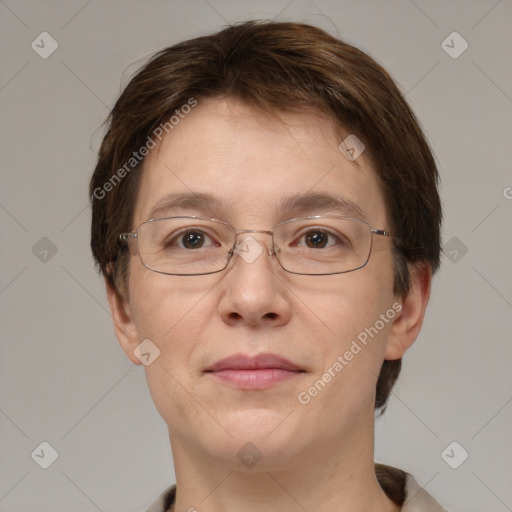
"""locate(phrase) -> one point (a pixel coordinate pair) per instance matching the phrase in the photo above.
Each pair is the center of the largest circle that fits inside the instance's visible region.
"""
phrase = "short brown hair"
(277, 67)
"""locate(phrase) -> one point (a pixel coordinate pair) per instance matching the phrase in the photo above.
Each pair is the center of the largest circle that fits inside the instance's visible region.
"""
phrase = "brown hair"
(277, 67)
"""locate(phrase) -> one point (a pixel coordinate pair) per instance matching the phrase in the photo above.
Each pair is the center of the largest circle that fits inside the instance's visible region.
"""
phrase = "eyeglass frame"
(131, 235)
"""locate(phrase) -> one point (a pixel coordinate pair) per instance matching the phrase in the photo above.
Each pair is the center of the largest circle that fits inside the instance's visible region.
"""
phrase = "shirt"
(399, 486)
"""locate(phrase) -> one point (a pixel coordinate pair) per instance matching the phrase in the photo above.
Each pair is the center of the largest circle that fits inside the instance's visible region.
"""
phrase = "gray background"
(65, 380)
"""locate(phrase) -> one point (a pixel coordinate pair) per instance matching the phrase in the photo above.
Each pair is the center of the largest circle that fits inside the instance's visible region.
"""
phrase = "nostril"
(271, 315)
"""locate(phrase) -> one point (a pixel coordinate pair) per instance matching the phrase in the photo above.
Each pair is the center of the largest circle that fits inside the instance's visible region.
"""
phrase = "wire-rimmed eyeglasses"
(315, 245)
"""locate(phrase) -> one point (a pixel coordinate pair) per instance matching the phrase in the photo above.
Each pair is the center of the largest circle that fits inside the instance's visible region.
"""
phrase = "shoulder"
(404, 490)
(165, 502)
(417, 499)
(400, 486)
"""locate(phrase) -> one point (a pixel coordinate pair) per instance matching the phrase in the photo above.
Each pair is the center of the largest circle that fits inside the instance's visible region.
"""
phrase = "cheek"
(351, 337)
(351, 315)
(343, 305)
(171, 312)
(168, 308)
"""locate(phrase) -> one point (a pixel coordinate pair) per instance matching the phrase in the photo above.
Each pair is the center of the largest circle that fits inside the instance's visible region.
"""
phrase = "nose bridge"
(251, 231)
(253, 294)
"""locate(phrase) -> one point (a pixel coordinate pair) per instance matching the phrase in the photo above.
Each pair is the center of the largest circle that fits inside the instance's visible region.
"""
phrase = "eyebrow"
(319, 202)
(305, 203)
(201, 202)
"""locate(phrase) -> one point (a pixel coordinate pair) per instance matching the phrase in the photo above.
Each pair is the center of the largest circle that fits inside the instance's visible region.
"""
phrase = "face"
(251, 163)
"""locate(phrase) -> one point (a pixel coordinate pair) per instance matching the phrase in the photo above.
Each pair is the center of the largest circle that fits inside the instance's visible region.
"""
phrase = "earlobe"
(407, 324)
(126, 332)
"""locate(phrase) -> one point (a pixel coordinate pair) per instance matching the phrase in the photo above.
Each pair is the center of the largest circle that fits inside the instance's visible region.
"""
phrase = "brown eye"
(317, 239)
(189, 239)
(193, 239)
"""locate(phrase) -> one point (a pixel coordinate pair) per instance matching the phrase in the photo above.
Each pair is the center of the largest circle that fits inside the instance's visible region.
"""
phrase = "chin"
(256, 423)
(270, 430)
(255, 452)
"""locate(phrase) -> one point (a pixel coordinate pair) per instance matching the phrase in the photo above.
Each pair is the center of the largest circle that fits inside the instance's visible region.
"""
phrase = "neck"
(335, 476)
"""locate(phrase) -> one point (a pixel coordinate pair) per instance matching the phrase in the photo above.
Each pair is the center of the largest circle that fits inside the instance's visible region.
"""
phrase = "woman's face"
(251, 164)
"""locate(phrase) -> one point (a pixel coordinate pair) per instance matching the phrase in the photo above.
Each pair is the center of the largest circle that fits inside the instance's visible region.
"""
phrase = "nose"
(254, 291)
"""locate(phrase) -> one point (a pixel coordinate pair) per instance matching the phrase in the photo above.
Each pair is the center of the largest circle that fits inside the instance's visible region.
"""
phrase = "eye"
(189, 239)
(319, 238)
(193, 239)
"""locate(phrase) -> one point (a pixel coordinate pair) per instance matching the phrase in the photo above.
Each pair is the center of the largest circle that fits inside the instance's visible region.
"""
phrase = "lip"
(254, 372)
(258, 362)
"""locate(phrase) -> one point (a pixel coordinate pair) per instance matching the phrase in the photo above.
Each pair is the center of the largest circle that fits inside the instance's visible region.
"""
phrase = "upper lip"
(258, 362)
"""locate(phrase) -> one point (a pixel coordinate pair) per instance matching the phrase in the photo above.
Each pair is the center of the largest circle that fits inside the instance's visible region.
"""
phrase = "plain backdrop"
(63, 377)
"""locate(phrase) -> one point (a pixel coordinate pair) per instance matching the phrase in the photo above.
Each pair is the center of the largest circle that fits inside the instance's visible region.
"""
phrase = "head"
(253, 115)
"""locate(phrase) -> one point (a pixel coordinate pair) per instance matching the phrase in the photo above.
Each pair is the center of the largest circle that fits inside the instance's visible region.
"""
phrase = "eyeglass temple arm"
(398, 241)
(380, 232)
(127, 236)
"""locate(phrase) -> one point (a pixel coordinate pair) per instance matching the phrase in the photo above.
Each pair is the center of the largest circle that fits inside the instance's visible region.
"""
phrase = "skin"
(316, 457)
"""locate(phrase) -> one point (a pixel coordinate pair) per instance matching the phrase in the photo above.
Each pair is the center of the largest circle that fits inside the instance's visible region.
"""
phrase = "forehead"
(228, 160)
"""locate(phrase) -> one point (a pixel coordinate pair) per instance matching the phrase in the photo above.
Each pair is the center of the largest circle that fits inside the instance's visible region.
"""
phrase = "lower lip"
(254, 379)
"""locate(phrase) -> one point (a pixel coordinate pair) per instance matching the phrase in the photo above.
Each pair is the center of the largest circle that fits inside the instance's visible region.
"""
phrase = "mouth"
(254, 372)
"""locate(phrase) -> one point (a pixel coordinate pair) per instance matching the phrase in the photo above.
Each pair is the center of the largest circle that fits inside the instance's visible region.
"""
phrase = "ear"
(407, 324)
(126, 332)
